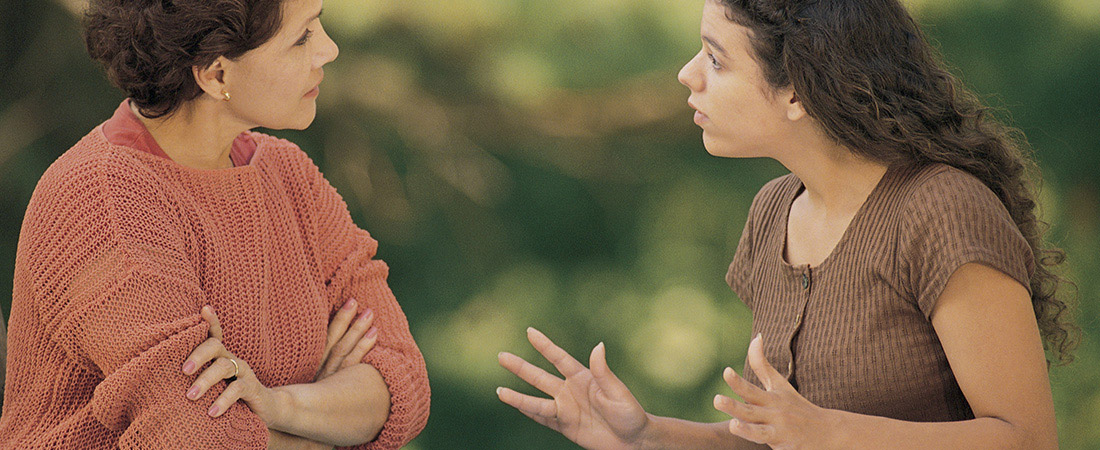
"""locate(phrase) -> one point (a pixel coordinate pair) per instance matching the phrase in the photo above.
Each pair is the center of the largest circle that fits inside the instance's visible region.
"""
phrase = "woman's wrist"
(282, 410)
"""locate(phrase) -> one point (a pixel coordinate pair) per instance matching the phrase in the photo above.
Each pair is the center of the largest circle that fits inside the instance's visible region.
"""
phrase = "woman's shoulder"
(284, 156)
(94, 166)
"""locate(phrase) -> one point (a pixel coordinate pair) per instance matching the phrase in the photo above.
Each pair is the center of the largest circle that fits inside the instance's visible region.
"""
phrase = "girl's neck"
(837, 181)
(198, 135)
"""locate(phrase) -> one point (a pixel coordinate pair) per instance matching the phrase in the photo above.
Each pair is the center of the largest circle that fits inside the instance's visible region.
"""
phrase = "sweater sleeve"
(346, 254)
(115, 292)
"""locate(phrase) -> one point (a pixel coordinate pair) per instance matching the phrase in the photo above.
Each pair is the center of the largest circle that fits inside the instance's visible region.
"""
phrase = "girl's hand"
(590, 406)
(243, 383)
(777, 415)
(348, 341)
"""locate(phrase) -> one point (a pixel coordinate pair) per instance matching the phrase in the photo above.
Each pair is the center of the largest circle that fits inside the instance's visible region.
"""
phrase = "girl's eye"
(714, 62)
(305, 38)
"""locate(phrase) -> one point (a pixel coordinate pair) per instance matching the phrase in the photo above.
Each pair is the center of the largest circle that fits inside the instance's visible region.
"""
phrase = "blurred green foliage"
(534, 163)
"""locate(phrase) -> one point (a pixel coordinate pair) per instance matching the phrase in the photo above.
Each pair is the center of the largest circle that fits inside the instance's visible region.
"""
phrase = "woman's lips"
(314, 92)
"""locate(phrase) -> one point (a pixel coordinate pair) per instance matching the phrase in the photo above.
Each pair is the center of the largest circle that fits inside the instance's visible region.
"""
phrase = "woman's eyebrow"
(311, 19)
(714, 44)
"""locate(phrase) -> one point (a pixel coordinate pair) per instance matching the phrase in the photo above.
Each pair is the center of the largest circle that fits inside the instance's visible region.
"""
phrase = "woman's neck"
(198, 135)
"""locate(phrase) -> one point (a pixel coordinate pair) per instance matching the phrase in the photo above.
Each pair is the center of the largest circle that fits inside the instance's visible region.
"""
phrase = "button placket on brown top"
(805, 280)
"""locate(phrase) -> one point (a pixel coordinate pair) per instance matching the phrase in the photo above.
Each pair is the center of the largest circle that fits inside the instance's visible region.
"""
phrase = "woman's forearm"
(348, 407)
(667, 432)
(856, 431)
(277, 440)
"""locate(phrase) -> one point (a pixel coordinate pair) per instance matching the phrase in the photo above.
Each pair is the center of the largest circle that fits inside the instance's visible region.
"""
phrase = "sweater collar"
(124, 128)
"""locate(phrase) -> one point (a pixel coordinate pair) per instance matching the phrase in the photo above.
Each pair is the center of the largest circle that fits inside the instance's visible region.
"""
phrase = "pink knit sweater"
(119, 250)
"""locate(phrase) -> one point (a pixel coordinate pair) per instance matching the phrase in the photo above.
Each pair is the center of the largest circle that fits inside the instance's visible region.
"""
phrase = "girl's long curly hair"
(864, 70)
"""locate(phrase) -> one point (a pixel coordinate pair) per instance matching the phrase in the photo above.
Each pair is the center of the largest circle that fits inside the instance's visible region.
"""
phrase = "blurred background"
(534, 163)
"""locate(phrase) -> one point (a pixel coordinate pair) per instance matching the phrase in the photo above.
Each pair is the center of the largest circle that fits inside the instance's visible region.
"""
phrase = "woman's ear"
(795, 110)
(211, 79)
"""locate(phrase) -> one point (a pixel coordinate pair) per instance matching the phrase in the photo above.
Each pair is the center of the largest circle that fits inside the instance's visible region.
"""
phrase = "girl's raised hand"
(590, 407)
(777, 415)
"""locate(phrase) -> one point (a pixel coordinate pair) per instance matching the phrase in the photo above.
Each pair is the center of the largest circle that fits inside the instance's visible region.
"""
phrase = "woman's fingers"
(607, 381)
(365, 344)
(206, 351)
(769, 377)
(340, 323)
(532, 374)
(566, 364)
(211, 317)
(751, 393)
(348, 341)
(229, 396)
(531, 406)
(220, 369)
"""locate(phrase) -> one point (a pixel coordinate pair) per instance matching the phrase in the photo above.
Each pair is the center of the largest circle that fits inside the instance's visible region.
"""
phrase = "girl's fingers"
(740, 411)
(767, 374)
(208, 350)
(350, 338)
(751, 393)
(219, 370)
(211, 317)
(566, 364)
(531, 406)
(532, 374)
(755, 432)
(366, 343)
(340, 323)
(607, 381)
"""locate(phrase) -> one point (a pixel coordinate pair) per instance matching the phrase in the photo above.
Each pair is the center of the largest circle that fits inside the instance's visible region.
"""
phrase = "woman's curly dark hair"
(864, 70)
(148, 47)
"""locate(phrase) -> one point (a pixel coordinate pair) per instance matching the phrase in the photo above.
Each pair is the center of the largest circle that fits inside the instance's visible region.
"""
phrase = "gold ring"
(236, 368)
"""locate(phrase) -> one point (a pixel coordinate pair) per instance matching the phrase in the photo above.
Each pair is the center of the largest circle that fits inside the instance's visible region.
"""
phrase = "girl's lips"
(700, 118)
(314, 92)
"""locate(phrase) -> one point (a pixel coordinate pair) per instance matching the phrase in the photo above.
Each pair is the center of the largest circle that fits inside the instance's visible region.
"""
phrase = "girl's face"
(276, 84)
(740, 114)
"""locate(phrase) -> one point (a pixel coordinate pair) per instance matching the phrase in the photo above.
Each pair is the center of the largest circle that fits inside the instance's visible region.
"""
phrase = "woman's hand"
(777, 415)
(243, 383)
(591, 407)
(348, 341)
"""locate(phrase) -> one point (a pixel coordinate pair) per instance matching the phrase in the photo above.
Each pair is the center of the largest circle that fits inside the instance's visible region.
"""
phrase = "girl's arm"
(593, 408)
(986, 324)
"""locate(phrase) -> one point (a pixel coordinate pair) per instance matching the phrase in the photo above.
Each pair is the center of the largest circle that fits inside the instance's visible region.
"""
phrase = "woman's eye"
(714, 61)
(305, 38)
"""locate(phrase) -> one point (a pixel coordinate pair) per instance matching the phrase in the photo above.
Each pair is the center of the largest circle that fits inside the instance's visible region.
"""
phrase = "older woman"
(900, 289)
(183, 282)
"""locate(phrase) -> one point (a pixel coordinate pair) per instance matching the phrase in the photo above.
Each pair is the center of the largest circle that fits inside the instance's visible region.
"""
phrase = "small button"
(805, 281)
(798, 318)
(790, 368)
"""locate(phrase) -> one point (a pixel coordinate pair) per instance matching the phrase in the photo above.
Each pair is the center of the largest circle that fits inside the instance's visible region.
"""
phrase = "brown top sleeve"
(953, 219)
(762, 213)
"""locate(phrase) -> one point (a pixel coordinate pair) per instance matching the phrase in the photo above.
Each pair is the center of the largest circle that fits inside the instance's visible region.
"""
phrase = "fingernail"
(188, 367)
(193, 393)
(759, 335)
(213, 411)
(372, 332)
(350, 304)
(499, 389)
(366, 313)
(735, 423)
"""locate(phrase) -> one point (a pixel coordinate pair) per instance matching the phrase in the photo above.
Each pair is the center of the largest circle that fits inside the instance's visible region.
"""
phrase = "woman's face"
(276, 84)
(739, 113)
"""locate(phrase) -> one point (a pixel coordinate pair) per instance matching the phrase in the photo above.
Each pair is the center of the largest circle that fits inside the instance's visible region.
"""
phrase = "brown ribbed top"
(853, 333)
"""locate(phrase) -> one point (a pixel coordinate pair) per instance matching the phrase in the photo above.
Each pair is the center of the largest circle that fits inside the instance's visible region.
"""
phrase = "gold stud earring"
(225, 95)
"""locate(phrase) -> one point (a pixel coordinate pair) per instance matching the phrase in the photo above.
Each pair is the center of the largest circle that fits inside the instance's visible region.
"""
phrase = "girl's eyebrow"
(712, 43)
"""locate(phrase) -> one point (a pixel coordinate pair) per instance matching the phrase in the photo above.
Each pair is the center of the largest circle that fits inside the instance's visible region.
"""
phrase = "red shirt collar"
(124, 128)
